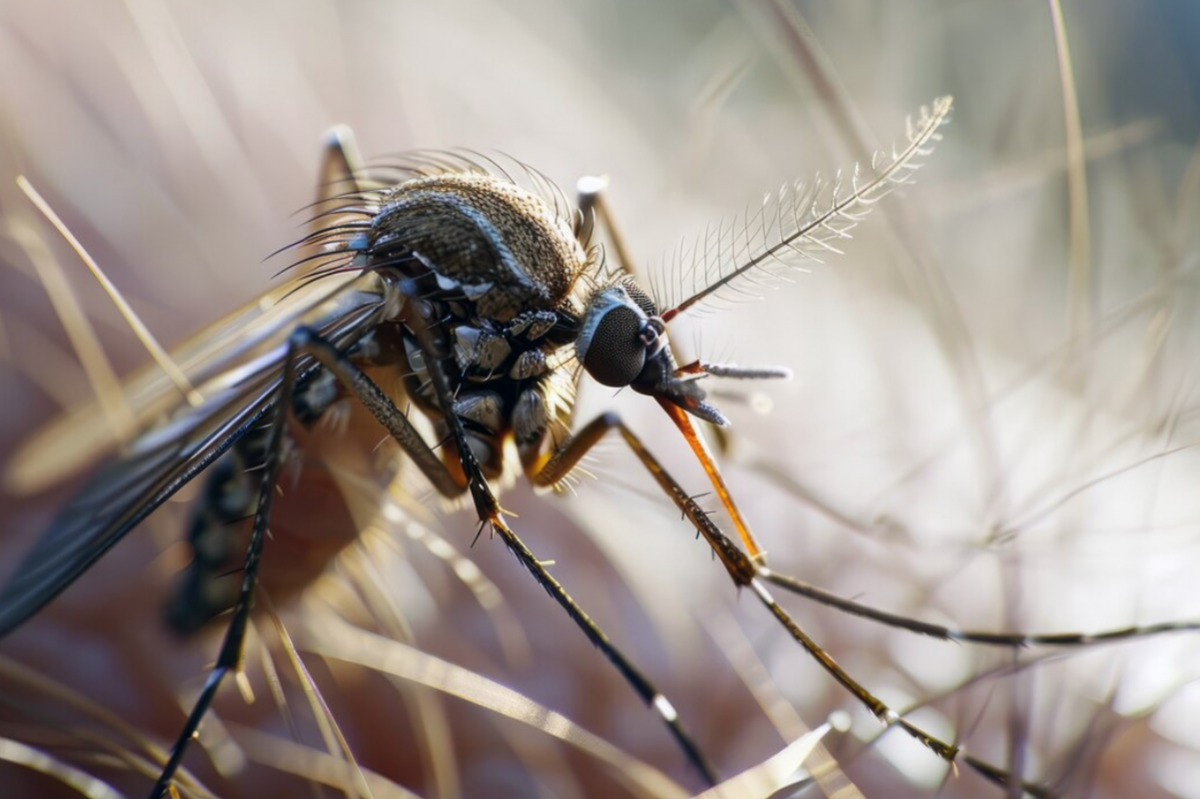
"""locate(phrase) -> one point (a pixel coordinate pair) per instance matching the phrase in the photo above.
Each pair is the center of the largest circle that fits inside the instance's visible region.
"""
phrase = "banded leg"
(303, 342)
(746, 573)
(306, 342)
(340, 164)
(981, 637)
(231, 647)
(490, 513)
(595, 209)
(940, 632)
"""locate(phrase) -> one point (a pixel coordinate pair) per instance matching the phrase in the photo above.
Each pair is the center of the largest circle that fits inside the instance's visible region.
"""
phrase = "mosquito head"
(623, 342)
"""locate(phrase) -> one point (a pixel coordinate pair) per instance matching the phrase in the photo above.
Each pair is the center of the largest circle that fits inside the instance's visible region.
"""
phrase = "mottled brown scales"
(505, 247)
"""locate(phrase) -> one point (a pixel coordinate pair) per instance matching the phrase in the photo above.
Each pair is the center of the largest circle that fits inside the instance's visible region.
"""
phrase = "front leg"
(420, 320)
(303, 343)
(568, 455)
(746, 572)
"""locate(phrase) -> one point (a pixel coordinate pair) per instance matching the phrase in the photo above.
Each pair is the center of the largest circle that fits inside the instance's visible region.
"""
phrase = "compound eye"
(615, 354)
(638, 295)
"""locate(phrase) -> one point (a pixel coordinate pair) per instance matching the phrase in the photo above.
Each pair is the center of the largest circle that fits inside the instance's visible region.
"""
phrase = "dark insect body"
(479, 295)
(487, 301)
(454, 247)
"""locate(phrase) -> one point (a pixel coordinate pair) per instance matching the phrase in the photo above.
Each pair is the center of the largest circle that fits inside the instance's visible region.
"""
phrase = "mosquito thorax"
(489, 242)
(494, 270)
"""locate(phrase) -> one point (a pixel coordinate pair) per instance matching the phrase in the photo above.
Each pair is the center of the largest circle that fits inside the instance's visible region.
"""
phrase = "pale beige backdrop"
(995, 388)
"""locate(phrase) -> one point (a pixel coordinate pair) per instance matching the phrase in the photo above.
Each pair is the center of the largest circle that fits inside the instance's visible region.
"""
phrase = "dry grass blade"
(335, 741)
(781, 770)
(130, 316)
(32, 683)
(108, 736)
(821, 765)
(74, 778)
(1080, 299)
(343, 642)
(315, 765)
(83, 339)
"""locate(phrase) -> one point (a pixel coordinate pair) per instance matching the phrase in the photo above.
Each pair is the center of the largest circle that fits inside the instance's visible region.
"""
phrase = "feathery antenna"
(799, 222)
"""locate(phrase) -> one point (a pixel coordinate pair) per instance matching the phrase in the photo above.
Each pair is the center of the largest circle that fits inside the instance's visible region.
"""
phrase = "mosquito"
(486, 296)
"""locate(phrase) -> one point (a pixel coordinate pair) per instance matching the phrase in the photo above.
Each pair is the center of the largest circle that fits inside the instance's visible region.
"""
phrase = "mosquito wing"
(148, 471)
(211, 359)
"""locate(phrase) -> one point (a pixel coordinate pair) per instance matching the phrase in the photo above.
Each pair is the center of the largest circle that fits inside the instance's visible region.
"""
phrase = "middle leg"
(420, 320)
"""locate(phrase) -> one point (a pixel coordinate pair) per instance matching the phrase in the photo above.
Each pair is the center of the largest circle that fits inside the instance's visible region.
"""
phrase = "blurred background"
(991, 424)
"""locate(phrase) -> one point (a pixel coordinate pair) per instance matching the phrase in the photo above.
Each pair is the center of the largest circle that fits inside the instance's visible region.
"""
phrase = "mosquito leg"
(375, 400)
(746, 573)
(337, 179)
(940, 632)
(1012, 640)
(641, 685)
(340, 162)
(307, 342)
(301, 343)
(231, 648)
(593, 207)
(490, 513)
